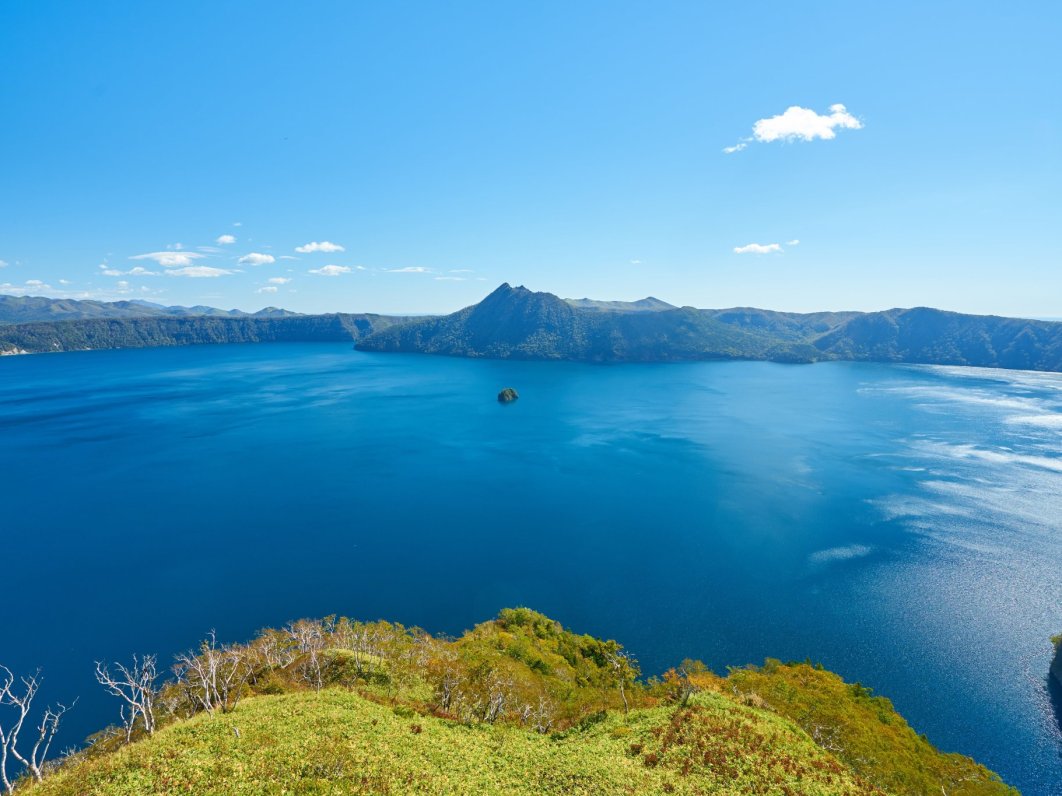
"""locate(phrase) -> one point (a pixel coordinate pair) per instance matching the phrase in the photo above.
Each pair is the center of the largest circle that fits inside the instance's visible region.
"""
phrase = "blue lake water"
(902, 525)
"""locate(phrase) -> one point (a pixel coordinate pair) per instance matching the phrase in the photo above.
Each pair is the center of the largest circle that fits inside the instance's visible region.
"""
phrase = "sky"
(411, 156)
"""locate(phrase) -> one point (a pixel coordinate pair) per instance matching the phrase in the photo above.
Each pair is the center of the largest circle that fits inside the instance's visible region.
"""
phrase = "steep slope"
(515, 323)
(929, 336)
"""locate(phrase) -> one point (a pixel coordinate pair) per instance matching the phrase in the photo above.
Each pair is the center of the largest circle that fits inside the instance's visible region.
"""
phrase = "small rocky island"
(507, 396)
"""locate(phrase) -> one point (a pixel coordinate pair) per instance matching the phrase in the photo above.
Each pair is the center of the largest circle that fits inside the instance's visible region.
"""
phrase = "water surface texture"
(902, 525)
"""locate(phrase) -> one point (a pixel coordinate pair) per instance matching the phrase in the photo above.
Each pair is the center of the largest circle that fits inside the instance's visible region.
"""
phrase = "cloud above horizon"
(758, 248)
(331, 270)
(136, 270)
(3, 264)
(170, 259)
(324, 246)
(199, 272)
(257, 258)
(266, 290)
(225, 240)
(279, 280)
(413, 269)
(799, 124)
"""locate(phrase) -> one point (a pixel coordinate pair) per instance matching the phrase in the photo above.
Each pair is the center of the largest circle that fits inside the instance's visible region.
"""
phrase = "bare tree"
(310, 639)
(135, 686)
(21, 699)
(216, 676)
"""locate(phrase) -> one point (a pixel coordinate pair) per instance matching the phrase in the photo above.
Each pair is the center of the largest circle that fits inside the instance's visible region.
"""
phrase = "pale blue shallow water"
(902, 525)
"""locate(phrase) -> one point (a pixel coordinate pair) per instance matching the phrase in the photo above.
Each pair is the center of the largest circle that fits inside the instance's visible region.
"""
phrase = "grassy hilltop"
(518, 705)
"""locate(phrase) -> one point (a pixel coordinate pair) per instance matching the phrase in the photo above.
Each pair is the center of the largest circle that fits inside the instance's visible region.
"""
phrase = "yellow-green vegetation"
(518, 705)
(864, 731)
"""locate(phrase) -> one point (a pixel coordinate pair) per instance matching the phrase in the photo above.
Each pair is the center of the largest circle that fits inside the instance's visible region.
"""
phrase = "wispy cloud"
(199, 272)
(279, 280)
(324, 246)
(793, 242)
(758, 248)
(451, 279)
(413, 269)
(4, 264)
(266, 290)
(225, 240)
(331, 270)
(257, 258)
(136, 270)
(799, 124)
(170, 259)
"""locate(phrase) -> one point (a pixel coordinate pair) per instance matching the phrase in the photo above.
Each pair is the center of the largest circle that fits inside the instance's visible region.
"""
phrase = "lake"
(902, 525)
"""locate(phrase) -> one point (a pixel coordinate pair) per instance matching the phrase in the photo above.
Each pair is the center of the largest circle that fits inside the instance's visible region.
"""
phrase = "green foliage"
(516, 705)
(337, 742)
(862, 730)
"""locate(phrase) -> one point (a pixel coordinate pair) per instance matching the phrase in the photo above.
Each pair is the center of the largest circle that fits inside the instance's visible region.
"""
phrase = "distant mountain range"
(30, 309)
(516, 323)
(519, 324)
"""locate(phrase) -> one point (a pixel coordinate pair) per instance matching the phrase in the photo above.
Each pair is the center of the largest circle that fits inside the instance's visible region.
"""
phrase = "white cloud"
(134, 271)
(793, 242)
(323, 246)
(799, 124)
(225, 240)
(360, 268)
(170, 259)
(413, 269)
(257, 258)
(199, 272)
(64, 282)
(3, 264)
(286, 257)
(450, 279)
(237, 223)
(266, 290)
(331, 270)
(636, 262)
(279, 280)
(804, 124)
(461, 271)
(758, 248)
(35, 283)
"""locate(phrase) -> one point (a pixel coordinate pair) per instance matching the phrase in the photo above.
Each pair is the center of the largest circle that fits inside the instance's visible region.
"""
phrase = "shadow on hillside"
(1054, 692)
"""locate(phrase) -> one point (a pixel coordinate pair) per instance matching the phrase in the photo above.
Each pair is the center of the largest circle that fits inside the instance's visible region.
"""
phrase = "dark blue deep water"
(902, 525)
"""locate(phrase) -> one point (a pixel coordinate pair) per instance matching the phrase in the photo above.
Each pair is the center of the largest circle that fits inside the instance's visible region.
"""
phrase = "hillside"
(166, 331)
(516, 323)
(517, 705)
(932, 336)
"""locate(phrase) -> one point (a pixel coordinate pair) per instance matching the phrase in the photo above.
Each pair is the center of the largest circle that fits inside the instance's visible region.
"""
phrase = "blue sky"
(572, 147)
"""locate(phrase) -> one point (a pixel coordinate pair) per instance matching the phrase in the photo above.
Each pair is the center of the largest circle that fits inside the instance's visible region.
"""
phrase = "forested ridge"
(518, 704)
